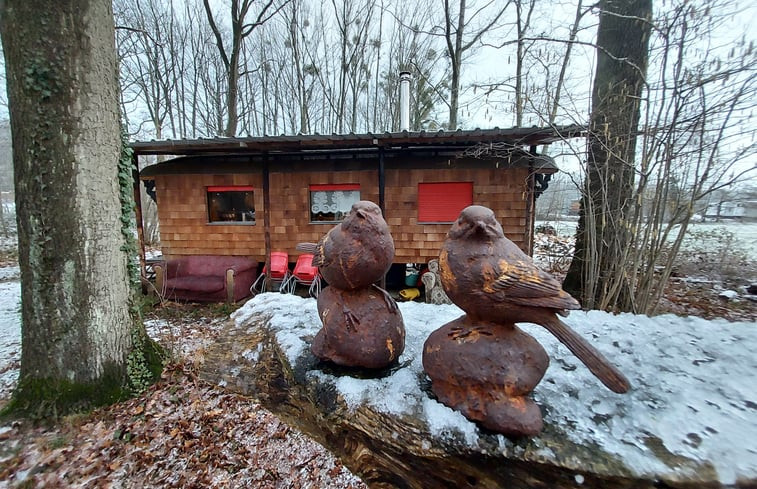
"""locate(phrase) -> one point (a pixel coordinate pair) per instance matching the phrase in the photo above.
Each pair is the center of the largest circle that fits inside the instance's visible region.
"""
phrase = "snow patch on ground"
(10, 333)
(184, 338)
(692, 403)
(9, 273)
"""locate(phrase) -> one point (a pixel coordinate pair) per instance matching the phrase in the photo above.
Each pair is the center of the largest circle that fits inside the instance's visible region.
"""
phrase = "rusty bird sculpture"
(362, 325)
(492, 280)
(356, 252)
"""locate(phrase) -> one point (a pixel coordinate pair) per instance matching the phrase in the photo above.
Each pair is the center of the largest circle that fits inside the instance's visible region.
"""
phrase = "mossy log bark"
(389, 451)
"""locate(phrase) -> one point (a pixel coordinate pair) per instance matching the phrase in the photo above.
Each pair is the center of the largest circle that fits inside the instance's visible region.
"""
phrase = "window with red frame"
(442, 202)
(330, 203)
(231, 204)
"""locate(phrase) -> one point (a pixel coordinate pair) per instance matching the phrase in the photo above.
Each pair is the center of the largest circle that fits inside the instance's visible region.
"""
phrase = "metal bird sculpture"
(492, 280)
(356, 252)
(359, 330)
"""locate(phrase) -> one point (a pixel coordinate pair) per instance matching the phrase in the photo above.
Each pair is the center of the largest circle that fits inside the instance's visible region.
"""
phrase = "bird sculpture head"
(364, 215)
(476, 222)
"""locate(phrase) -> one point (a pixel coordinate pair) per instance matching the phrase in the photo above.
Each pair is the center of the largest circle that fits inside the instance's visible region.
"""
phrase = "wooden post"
(381, 203)
(229, 286)
(530, 204)
(140, 225)
(267, 214)
(381, 182)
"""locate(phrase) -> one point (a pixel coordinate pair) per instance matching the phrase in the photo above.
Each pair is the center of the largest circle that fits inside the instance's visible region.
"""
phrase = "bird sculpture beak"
(481, 227)
(360, 214)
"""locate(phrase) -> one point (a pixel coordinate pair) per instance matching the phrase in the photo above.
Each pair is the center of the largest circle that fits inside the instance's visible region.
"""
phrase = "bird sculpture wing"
(524, 284)
(521, 282)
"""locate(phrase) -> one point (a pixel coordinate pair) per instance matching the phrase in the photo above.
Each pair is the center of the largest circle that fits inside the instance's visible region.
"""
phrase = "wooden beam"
(382, 182)
(267, 213)
(381, 203)
(530, 205)
(138, 215)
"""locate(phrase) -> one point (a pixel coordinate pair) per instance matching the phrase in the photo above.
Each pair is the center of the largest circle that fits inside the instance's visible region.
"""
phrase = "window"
(231, 204)
(331, 203)
(442, 202)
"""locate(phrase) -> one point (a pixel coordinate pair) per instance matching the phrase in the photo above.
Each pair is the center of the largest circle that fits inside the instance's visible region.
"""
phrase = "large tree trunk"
(597, 272)
(62, 86)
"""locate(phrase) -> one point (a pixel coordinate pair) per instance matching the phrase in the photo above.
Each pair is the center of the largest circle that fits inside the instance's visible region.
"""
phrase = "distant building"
(746, 209)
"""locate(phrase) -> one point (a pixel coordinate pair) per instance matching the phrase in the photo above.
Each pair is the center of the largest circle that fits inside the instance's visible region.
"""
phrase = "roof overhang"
(509, 147)
(271, 144)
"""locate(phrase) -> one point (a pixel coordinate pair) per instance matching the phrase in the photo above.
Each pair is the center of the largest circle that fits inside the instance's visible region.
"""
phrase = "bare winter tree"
(693, 141)
(298, 73)
(230, 51)
(80, 344)
(538, 51)
(603, 232)
(147, 65)
(696, 140)
(464, 26)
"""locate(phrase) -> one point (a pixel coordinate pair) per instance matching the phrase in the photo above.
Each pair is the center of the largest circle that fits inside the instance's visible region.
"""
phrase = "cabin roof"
(451, 140)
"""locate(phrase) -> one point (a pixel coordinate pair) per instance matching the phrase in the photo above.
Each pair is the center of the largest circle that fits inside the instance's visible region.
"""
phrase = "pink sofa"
(206, 278)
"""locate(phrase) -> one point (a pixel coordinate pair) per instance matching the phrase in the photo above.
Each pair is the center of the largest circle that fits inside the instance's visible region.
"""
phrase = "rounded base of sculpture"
(486, 371)
(361, 328)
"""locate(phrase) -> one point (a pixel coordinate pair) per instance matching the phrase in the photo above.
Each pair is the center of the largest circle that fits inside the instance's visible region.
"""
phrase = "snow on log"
(690, 420)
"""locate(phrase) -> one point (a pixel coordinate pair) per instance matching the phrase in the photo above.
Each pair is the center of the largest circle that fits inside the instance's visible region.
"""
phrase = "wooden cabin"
(249, 196)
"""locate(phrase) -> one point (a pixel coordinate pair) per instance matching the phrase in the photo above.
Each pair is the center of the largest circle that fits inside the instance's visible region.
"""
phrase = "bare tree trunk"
(62, 82)
(597, 272)
(565, 62)
(522, 25)
(230, 57)
(454, 48)
(457, 44)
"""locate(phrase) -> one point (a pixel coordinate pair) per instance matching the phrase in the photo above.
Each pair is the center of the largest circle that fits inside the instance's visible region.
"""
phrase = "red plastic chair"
(279, 273)
(279, 265)
(305, 273)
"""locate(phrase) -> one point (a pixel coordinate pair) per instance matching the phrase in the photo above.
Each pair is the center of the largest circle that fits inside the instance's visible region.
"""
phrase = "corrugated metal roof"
(518, 136)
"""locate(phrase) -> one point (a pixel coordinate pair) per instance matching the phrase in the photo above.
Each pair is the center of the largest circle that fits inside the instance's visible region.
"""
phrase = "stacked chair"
(305, 273)
(279, 274)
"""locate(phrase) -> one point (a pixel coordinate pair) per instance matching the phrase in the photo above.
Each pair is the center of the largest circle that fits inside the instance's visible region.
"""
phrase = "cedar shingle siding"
(185, 230)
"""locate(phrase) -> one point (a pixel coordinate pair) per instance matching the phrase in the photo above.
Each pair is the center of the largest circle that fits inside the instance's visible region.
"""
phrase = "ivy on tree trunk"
(81, 343)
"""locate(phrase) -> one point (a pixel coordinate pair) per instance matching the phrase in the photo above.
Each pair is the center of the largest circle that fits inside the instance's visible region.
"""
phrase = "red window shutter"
(442, 202)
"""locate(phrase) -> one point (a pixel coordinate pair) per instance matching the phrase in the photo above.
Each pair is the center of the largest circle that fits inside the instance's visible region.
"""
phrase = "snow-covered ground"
(691, 412)
(693, 379)
(702, 234)
(10, 328)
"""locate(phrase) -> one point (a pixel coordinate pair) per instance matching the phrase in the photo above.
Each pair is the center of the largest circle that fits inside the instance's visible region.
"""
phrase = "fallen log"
(689, 422)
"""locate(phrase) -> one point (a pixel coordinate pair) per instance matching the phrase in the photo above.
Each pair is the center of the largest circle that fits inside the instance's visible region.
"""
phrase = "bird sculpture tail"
(590, 356)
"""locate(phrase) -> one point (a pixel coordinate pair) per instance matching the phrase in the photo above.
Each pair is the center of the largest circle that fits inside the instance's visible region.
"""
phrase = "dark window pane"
(231, 206)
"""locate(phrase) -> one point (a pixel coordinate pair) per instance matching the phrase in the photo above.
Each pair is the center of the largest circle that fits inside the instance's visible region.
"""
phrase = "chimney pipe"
(404, 101)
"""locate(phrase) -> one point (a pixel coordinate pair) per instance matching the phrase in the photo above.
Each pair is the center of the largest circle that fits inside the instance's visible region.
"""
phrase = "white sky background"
(489, 65)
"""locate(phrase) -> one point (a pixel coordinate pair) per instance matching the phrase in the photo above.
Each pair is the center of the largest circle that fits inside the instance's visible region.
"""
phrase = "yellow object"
(410, 294)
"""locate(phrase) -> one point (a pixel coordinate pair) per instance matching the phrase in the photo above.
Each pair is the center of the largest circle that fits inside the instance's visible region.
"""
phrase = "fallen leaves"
(180, 433)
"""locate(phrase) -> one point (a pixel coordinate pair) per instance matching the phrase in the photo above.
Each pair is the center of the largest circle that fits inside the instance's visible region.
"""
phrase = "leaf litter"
(182, 432)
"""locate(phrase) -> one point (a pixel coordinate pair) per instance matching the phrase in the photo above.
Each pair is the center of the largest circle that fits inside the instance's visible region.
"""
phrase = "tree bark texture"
(63, 91)
(597, 271)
